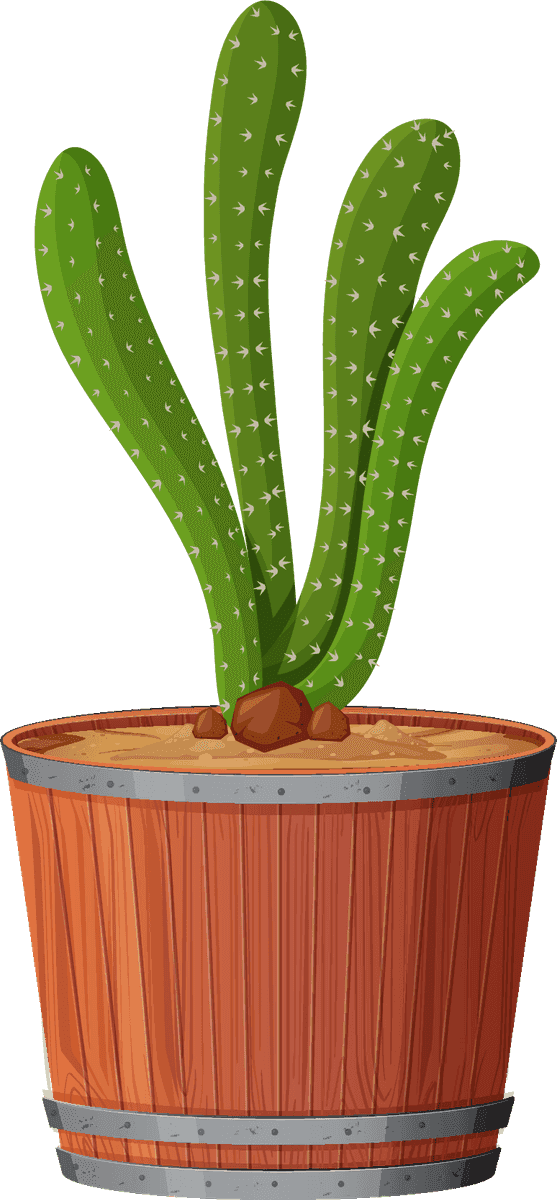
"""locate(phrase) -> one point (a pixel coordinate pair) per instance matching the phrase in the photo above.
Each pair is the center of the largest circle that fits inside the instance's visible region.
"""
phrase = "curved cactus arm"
(102, 326)
(456, 305)
(391, 212)
(255, 105)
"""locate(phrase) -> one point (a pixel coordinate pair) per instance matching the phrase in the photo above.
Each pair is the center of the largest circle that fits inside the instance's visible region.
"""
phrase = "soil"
(367, 747)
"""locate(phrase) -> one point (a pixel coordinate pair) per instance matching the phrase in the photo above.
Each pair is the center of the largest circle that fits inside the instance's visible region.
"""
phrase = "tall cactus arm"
(103, 328)
(456, 305)
(391, 212)
(255, 105)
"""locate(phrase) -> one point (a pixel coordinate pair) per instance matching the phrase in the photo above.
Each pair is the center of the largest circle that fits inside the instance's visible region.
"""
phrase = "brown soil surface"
(381, 745)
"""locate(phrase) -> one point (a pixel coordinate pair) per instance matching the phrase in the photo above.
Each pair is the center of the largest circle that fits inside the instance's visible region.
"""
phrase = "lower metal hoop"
(351, 1184)
(279, 1131)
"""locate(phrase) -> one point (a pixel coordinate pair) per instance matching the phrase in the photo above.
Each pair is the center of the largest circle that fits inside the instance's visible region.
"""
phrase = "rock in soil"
(271, 717)
(328, 724)
(210, 724)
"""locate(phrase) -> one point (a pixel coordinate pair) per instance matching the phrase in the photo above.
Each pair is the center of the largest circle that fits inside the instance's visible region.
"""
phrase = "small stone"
(271, 717)
(210, 724)
(328, 723)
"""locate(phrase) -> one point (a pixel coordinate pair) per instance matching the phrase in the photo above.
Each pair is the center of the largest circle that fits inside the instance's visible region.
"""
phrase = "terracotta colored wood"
(278, 959)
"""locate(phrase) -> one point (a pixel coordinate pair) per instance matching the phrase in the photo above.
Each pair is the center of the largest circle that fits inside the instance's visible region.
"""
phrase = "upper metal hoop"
(420, 783)
(279, 1131)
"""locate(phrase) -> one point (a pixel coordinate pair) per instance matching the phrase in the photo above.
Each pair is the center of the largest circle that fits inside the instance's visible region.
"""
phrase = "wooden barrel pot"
(298, 985)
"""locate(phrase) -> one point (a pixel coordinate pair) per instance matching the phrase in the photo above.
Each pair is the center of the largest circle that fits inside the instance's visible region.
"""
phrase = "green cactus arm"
(255, 105)
(447, 318)
(102, 326)
(391, 212)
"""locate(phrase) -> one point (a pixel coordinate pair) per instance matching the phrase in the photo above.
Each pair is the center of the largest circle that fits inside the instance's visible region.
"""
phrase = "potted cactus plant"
(287, 668)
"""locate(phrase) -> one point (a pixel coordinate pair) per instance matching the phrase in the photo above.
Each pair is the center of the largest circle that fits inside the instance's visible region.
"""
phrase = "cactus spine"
(255, 105)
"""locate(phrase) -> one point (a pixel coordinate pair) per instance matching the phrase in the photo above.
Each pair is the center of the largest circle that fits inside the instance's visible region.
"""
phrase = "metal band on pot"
(279, 1131)
(330, 788)
(306, 1184)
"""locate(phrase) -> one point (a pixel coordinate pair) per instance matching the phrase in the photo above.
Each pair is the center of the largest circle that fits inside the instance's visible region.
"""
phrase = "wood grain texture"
(272, 960)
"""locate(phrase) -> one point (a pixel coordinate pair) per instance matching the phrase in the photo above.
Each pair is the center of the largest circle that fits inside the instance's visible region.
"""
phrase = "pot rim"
(377, 782)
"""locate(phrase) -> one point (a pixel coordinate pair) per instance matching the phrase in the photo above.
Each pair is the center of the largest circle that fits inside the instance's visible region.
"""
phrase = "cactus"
(255, 105)
(102, 326)
(386, 367)
(448, 316)
(391, 212)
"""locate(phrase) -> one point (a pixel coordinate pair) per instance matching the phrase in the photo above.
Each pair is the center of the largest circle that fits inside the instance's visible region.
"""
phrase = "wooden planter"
(304, 982)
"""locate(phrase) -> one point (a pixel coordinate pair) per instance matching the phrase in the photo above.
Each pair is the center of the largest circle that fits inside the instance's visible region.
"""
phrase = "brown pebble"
(210, 724)
(271, 717)
(328, 723)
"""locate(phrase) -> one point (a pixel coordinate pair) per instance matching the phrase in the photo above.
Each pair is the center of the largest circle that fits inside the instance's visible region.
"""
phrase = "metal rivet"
(208, 1183)
(340, 1183)
(201, 1132)
(127, 1124)
(422, 1124)
(142, 1177)
(451, 780)
(110, 783)
(347, 1131)
(274, 1183)
(195, 789)
(274, 1131)
(281, 791)
(366, 791)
